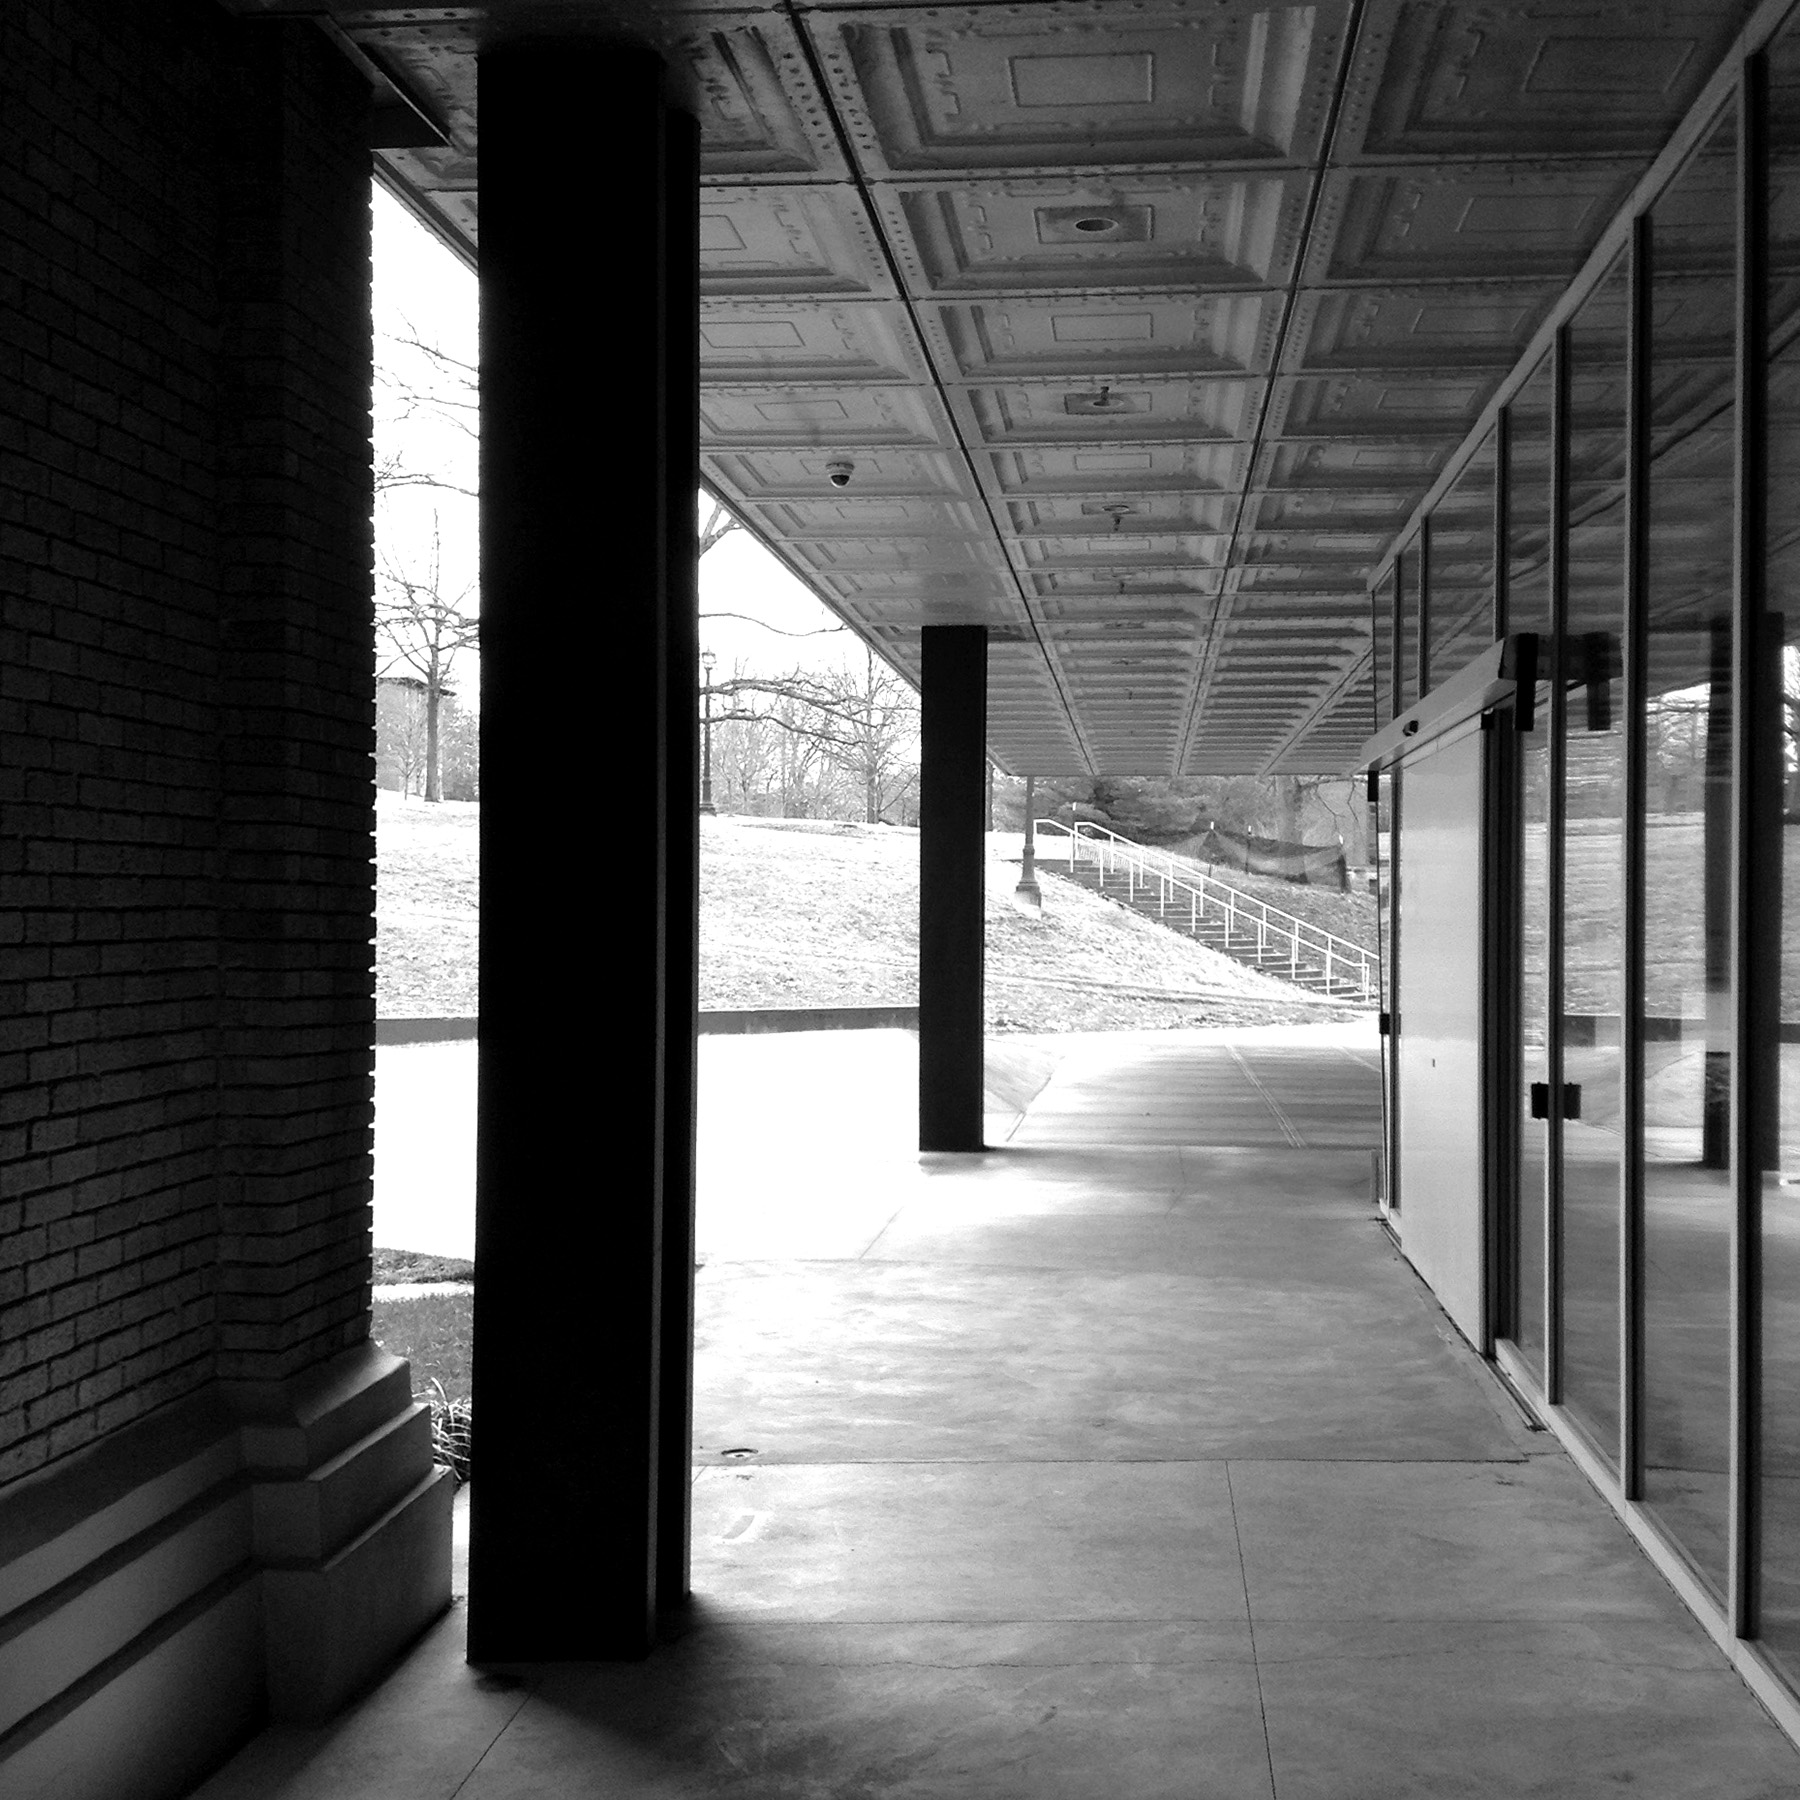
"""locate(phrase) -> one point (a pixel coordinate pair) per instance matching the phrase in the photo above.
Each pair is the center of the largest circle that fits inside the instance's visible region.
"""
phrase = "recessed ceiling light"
(1117, 223)
(1105, 401)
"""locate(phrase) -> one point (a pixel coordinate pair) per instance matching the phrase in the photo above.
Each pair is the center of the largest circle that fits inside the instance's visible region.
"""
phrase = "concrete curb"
(425, 1031)
(811, 1018)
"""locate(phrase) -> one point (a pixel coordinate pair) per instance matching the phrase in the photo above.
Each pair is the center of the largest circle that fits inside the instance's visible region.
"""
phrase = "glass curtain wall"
(1386, 914)
(1528, 533)
(1779, 1488)
(1406, 628)
(1688, 799)
(1591, 821)
(1381, 608)
(1461, 621)
(1643, 482)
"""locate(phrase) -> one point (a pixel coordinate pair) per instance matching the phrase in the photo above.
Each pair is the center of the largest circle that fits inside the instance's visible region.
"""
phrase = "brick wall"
(185, 710)
(298, 733)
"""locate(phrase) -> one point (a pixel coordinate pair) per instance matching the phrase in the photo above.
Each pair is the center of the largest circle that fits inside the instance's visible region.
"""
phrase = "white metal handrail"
(1348, 969)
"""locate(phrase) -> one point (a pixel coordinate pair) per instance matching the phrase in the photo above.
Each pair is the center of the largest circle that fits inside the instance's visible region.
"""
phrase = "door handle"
(1571, 1100)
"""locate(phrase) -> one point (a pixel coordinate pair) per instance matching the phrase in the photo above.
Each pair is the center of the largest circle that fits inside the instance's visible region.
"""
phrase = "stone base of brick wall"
(248, 1553)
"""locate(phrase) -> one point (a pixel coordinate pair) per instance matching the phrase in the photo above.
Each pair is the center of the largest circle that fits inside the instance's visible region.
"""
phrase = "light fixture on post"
(1027, 896)
(707, 663)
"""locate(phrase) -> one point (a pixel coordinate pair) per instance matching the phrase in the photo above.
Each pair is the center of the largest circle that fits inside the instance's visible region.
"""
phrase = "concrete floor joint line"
(1262, 1705)
(1288, 1129)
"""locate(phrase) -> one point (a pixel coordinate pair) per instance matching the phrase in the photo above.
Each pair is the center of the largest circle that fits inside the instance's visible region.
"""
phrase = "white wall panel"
(1441, 1222)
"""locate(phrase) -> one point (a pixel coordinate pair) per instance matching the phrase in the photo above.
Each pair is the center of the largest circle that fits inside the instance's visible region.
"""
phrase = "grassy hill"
(793, 913)
(802, 912)
(427, 904)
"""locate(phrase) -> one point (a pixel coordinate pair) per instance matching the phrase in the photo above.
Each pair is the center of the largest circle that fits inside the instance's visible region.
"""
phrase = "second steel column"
(587, 457)
(952, 885)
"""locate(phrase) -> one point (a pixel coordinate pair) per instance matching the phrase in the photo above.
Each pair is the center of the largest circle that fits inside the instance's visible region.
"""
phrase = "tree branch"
(822, 631)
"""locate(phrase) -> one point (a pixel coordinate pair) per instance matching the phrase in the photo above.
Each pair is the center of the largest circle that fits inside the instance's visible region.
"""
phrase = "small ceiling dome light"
(1096, 224)
(1105, 401)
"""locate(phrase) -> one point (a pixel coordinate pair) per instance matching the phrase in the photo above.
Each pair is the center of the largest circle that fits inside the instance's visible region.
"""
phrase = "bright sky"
(422, 291)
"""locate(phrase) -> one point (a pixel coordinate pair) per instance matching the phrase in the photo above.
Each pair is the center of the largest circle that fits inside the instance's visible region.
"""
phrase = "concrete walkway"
(1105, 1465)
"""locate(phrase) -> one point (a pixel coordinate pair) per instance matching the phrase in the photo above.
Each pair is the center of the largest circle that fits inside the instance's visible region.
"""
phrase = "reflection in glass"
(1592, 667)
(1406, 652)
(1382, 603)
(1687, 844)
(1384, 905)
(1528, 587)
(1462, 567)
(1528, 504)
(1527, 1308)
(1781, 1158)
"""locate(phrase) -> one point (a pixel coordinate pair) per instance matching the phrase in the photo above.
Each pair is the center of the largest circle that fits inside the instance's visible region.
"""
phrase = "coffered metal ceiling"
(1144, 322)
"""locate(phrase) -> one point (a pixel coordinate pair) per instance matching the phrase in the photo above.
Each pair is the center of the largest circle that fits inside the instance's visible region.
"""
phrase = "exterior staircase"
(1200, 906)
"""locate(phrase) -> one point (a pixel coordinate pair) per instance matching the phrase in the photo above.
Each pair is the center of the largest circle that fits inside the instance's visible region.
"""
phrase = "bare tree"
(849, 732)
(420, 626)
(400, 730)
(880, 715)
(422, 629)
(447, 391)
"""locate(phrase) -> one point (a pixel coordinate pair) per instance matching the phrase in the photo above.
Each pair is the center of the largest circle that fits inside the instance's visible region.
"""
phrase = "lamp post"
(707, 660)
(1026, 896)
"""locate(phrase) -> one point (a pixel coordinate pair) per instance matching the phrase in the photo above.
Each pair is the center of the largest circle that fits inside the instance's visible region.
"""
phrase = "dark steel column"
(952, 885)
(575, 1113)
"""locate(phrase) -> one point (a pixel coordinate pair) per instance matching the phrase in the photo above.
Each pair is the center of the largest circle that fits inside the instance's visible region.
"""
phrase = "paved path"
(1305, 1086)
(1088, 1470)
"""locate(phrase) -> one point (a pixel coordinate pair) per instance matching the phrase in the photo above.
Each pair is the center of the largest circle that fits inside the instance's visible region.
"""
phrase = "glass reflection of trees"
(1591, 670)
(1462, 567)
(1528, 608)
(1780, 1473)
(1381, 621)
(1688, 1017)
(1687, 1007)
(1406, 628)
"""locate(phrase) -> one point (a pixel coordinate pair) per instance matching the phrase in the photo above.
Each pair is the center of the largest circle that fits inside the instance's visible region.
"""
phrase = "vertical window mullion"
(1753, 773)
(1400, 701)
(1554, 863)
(1502, 485)
(1376, 721)
(1631, 1061)
(1422, 606)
